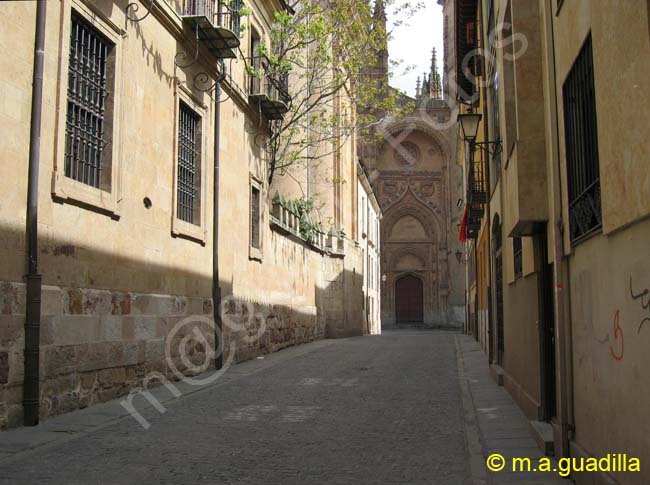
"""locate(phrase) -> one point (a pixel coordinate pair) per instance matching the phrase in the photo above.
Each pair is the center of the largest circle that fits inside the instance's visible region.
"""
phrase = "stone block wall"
(118, 280)
(96, 345)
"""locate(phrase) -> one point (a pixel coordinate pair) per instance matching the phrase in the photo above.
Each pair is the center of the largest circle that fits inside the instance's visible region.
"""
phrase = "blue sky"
(412, 42)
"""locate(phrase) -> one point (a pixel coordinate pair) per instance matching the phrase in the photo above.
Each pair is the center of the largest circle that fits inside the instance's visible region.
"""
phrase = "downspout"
(560, 265)
(216, 288)
(31, 391)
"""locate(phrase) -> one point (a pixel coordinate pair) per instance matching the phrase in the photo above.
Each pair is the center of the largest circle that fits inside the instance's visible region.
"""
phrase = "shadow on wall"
(110, 321)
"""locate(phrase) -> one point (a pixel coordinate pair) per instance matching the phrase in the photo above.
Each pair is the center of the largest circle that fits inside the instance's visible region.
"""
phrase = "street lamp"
(469, 125)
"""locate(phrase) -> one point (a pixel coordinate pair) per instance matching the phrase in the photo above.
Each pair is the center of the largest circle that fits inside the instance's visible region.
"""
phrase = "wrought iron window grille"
(255, 217)
(86, 118)
(581, 134)
(189, 165)
(476, 192)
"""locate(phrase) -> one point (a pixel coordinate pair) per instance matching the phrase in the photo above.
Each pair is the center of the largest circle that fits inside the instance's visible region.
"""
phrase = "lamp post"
(469, 125)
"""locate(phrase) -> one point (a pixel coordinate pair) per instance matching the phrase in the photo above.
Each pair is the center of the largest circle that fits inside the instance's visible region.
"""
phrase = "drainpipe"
(216, 289)
(31, 389)
(563, 332)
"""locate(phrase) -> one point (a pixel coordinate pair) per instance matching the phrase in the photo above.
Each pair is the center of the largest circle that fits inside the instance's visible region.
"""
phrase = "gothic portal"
(417, 185)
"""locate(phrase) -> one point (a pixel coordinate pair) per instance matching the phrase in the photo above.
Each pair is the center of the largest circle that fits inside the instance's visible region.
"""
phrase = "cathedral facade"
(417, 184)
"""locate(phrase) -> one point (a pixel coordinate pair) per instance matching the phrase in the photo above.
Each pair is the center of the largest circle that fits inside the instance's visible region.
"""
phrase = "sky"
(412, 42)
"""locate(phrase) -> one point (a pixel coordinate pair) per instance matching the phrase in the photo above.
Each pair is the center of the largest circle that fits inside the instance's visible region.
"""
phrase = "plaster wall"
(118, 276)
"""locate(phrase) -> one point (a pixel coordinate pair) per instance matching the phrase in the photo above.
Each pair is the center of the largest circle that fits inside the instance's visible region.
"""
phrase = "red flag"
(462, 236)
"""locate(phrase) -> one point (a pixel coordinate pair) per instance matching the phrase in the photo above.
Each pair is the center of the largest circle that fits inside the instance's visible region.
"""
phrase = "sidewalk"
(494, 423)
(56, 431)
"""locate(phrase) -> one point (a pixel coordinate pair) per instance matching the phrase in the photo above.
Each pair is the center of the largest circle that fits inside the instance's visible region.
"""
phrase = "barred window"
(581, 133)
(89, 106)
(518, 257)
(255, 217)
(189, 166)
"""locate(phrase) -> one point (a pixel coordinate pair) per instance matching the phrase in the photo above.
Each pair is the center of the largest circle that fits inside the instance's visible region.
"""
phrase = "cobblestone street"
(383, 409)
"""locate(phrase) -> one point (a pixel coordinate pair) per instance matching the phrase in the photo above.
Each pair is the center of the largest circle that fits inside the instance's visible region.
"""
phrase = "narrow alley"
(393, 408)
(329, 242)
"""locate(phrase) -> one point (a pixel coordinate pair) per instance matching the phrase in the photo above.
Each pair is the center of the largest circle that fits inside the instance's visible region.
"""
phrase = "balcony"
(268, 90)
(476, 193)
(466, 43)
(216, 24)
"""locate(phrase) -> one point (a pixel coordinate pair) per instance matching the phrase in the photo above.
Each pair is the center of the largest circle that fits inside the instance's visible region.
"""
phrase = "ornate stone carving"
(407, 154)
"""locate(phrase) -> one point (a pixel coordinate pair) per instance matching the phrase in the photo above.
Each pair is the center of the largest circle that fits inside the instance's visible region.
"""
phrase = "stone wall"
(122, 274)
(99, 344)
(95, 344)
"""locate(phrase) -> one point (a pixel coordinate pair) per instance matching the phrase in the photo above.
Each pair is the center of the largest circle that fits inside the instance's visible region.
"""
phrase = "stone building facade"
(557, 221)
(417, 182)
(422, 278)
(369, 219)
(126, 258)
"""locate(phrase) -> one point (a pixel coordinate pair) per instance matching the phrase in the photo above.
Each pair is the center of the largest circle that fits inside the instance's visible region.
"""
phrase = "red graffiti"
(618, 332)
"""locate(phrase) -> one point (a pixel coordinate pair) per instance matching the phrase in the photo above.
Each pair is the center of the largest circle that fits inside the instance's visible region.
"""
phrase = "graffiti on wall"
(643, 298)
(617, 346)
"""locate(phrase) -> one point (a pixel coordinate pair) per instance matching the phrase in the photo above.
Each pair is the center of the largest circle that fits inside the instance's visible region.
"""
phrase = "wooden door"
(409, 300)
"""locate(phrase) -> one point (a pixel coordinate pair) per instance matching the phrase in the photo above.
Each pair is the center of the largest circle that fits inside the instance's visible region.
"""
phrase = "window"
(509, 101)
(188, 174)
(88, 126)
(255, 217)
(363, 217)
(494, 122)
(254, 80)
(518, 257)
(367, 227)
(495, 127)
(581, 136)
(86, 166)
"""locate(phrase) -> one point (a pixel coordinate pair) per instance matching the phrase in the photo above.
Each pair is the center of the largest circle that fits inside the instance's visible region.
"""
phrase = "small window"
(518, 257)
(255, 82)
(255, 217)
(510, 95)
(188, 200)
(495, 127)
(89, 108)
(581, 134)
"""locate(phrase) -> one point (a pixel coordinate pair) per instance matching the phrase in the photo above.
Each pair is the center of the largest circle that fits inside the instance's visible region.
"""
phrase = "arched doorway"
(409, 300)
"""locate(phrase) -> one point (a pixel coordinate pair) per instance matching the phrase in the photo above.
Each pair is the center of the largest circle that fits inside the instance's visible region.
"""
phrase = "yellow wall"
(119, 277)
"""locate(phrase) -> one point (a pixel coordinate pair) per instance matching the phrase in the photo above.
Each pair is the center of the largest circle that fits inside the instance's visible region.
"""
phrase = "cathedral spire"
(435, 84)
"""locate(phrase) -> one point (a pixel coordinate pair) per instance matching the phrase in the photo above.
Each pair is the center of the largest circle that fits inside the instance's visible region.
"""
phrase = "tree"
(327, 50)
